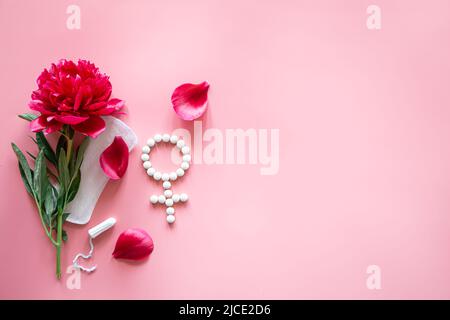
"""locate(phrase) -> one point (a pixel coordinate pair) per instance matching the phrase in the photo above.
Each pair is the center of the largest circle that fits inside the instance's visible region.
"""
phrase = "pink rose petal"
(190, 100)
(114, 159)
(133, 244)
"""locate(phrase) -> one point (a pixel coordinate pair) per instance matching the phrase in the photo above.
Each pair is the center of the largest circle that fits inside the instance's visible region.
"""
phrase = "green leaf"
(70, 132)
(64, 235)
(74, 186)
(28, 116)
(72, 166)
(61, 145)
(32, 156)
(65, 216)
(63, 179)
(27, 186)
(25, 171)
(40, 178)
(44, 145)
(80, 153)
(63, 171)
(51, 199)
(60, 203)
(47, 220)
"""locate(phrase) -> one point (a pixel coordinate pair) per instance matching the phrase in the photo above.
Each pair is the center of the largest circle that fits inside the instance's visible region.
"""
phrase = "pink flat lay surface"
(364, 153)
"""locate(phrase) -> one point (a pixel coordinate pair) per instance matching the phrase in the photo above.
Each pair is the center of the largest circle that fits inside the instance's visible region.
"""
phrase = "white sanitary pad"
(93, 179)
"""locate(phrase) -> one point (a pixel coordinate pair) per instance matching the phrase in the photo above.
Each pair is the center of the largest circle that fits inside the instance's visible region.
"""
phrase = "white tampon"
(102, 227)
(93, 233)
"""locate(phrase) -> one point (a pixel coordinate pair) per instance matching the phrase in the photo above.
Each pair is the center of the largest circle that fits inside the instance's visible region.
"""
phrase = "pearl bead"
(173, 176)
(180, 144)
(157, 176)
(157, 137)
(169, 202)
(170, 218)
(154, 199)
(184, 197)
(145, 157)
(184, 165)
(151, 171)
(187, 158)
(180, 172)
(175, 198)
(150, 142)
(161, 199)
(170, 210)
(185, 150)
(167, 193)
(145, 149)
(173, 139)
(166, 137)
(167, 185)
(147, 165)
(165, 177)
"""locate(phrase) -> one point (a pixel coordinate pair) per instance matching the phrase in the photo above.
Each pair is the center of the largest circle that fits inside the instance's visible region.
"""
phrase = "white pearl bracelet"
(168, 197)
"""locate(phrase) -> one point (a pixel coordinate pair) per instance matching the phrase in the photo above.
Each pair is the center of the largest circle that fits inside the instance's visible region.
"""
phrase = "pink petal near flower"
(114, 159)
(133, 244)
(190, 100)
(92, 127)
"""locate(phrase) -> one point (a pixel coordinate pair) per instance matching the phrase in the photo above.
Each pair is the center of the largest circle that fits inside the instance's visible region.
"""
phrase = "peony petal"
(38, 106)
(114, 159)
(95, 106)
(116, 104)
(190, 100)
(71, 119)
(92, 127)
(133, 244)
(78, 99)
(53, 126)
(38, 124)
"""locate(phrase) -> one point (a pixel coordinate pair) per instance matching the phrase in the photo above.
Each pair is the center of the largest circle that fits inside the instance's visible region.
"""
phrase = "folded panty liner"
(93, 179)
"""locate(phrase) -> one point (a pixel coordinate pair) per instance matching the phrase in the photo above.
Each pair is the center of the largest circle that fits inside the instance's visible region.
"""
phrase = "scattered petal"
(133, 244)
(190, 100)
(114, 159)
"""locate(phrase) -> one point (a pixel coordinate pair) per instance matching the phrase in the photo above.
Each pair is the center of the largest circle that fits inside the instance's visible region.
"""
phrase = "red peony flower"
(76, 94)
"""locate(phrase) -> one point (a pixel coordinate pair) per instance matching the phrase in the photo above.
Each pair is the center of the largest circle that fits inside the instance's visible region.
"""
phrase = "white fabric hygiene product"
(93, 179)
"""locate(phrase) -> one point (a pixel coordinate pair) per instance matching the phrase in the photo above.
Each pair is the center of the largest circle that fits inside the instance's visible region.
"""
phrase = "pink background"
(364, 147)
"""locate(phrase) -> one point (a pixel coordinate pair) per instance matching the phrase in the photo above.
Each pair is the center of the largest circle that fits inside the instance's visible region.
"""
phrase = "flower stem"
(47, 232)
(69, 148)
(58, 245)
(59, 230)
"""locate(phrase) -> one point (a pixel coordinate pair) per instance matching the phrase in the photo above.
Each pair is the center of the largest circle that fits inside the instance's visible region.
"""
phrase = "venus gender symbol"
(168, 198)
